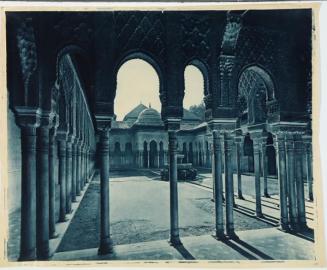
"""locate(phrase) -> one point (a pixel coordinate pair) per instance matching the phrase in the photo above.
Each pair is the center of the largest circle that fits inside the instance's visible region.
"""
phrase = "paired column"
(106, 245)
(229, 185)
(28, 120)
(174, 229)
(218, 185)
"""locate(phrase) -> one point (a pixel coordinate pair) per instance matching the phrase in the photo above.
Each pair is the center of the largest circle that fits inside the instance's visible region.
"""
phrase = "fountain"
(185, 171)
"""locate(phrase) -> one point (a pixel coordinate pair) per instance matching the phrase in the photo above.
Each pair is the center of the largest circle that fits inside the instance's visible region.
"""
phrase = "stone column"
(62, 180)
(308, 152)
(52, 181)
(238, 141)
(78, 169)
(174, 229)
(256, 153)
(69, 174)
(299, 181)
(42, 187)
(291, 182)
(28, 120)
(264, 167)
(74, 171)
(282, 178)
(218, 185)
(229, 185)
(106, 245)
(148, 157)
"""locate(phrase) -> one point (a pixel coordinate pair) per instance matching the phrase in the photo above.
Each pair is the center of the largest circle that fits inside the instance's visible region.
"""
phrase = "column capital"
(172, 124)
(103, 122)
(27, 116)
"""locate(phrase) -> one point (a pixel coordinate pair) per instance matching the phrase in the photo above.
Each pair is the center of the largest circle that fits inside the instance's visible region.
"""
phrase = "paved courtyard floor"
(139, 211)
(139, 204)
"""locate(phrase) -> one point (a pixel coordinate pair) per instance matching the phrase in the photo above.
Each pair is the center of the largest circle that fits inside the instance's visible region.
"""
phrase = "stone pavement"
(139, 210)
(262, 244)
(270, 206)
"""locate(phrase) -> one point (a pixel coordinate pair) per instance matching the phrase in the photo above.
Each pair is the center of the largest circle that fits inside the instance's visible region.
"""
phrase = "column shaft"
(309, 170)
(62, 180)
(229, 186)
(78, 170)
(291, 183)
(299, 182)
(218, 185)
(280, 141)
(28, 206)
(256, 153)
(74, 172)
(52, 183)
(42, 198)
(68, 176)
(238, 168)
(174, 229)
(264, 168)
(105, 239)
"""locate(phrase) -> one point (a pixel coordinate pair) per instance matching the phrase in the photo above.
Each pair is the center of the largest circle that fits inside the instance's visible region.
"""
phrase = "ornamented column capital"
(27, 116)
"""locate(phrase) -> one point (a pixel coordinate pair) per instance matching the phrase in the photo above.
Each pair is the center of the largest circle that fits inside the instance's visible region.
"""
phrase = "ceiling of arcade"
(99, 43)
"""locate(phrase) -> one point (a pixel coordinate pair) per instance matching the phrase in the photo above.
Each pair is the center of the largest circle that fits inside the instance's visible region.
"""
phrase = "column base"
(220, 236)
(240, 196)
(54, 235)
(266, 195)
(231, 235)
(106, 246)
(43, 253)
(63, 219)
(259, 215)
(284, 228)
(175, 241)
(29, 255)
(304, 227)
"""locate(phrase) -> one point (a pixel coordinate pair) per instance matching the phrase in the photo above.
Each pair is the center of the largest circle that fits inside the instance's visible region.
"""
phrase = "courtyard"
(140, 225)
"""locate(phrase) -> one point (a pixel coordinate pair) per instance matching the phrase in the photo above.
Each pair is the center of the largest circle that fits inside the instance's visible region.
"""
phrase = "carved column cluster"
(290, 154)
(48, 137)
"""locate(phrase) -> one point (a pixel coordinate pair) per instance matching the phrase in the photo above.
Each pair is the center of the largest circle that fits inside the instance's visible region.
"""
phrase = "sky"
(138, 82)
